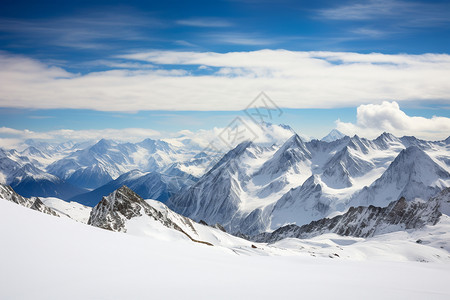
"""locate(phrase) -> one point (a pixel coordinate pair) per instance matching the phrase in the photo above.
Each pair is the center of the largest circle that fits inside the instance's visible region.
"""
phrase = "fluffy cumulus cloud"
(373, 119)
(227, 81)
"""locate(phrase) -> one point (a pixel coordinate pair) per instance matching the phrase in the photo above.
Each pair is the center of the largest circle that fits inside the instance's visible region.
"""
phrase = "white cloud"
(98, 29)
(239, 38)
(365, 10)
(369, 32)
(9, 143)
(119, 64)
(381, 18)
(406, 13)
(216, 137)
(292, 79)
(205, 22)
(238, 131)
(11, 137)
(373, 119)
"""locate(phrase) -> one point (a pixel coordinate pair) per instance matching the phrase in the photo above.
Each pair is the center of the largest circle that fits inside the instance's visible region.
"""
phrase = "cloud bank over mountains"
(371, 121)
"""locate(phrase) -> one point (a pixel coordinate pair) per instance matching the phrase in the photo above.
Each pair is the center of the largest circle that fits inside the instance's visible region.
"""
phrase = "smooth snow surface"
(73, 210)
(45, 257)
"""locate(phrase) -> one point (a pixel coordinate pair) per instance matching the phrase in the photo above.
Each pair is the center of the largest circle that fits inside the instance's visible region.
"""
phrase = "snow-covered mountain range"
(254, 189)
(69, 170)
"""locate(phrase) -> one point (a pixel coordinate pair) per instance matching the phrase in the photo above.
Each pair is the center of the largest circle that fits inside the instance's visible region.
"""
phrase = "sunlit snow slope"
(45, 257)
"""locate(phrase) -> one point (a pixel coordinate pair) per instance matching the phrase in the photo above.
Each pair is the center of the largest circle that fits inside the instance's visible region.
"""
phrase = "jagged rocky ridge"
(114, 210)
(369, 221)
(7, 193)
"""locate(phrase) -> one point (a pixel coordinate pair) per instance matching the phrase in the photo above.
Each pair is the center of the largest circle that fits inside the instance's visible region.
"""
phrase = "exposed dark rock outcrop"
(113, 211)
(8, 193)
(367, 221)
(39, 206)
(220, 227)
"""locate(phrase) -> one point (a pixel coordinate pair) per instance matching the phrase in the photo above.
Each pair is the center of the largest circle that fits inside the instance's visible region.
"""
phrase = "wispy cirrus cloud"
(369, 32)
(376, 19)
(205, 22)
(422, 14)
(118, 64)
(92, 30)
(364, 10)
(239, 38)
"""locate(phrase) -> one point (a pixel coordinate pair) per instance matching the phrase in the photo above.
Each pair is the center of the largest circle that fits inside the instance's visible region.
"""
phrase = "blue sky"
(173, 65)
(77, 31)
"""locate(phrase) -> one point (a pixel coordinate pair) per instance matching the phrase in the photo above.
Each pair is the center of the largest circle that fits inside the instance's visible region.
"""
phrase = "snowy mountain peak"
(294, 141)
(154, 145)
(385, 140)
(416, 162)
(387, 136)
(361, 145)
(333, 136)
(291, 157)
(123, 210)
(413, 156)
(420, 165)
(311, 188)
(412, 174)
(113, 210)
(296, 144)
(33, 151)
(102, 146)
(233, 154)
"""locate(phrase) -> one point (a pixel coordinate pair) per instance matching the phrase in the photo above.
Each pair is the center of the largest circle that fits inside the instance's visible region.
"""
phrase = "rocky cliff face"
(114, 211)
(368, 221)
(40, 206)
(7, 193)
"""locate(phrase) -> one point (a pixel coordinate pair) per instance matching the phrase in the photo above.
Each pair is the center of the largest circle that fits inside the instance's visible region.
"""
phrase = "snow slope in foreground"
(44, 257)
